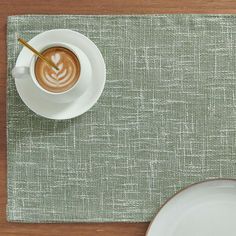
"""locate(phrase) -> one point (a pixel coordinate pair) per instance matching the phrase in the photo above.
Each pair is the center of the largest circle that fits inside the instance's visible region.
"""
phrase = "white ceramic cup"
(63, 97)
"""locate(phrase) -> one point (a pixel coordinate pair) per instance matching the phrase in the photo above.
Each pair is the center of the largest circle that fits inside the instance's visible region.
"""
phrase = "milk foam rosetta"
(58, 80)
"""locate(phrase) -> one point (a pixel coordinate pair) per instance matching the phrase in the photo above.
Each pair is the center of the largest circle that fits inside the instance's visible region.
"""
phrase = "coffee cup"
(62, 86)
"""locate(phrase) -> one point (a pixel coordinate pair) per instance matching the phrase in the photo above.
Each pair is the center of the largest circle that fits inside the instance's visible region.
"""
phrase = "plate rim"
(180, 191)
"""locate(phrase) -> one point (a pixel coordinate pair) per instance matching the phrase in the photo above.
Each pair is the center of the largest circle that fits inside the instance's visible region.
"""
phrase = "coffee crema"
(61, 80)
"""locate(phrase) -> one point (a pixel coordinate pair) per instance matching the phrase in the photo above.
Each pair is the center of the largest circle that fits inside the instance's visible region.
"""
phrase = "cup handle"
(20, 72)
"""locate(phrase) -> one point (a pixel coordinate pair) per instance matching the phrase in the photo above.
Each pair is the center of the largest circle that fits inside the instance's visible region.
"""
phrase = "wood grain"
(14, 7)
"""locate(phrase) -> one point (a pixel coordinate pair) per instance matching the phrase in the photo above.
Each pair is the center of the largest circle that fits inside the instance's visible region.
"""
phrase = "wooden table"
(15, 7)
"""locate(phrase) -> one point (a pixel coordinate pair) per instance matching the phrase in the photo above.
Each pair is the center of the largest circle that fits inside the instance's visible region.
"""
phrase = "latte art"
(58, 80)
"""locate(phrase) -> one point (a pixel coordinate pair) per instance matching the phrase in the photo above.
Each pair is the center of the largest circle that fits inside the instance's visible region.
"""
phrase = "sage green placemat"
(166, 119)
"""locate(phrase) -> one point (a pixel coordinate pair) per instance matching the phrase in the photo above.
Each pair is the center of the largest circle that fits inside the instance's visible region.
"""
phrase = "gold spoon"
(50, 63)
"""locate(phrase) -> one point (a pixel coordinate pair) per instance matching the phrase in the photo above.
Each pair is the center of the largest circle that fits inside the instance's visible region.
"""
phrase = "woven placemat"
(166, 119)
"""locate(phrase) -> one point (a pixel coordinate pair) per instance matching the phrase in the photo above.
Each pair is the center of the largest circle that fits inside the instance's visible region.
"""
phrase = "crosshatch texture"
(166, 119)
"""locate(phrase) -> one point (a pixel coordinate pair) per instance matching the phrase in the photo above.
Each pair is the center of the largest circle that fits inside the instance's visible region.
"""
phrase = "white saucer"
(204, 209)
(60, 111)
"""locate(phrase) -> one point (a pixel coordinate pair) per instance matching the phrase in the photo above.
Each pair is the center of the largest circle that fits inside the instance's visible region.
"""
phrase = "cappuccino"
(61, 80)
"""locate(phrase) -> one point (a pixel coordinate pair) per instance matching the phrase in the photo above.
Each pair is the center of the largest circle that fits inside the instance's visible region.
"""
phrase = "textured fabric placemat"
(166, 119)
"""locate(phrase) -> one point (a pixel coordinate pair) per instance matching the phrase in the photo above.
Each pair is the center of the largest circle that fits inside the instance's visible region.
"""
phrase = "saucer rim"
(99, 90)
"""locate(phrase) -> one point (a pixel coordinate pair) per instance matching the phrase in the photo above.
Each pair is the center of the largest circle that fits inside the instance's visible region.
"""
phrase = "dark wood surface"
(15, 7)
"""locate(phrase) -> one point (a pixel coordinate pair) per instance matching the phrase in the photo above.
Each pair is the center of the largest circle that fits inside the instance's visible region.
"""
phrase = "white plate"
(204, 209)
(59, 111)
